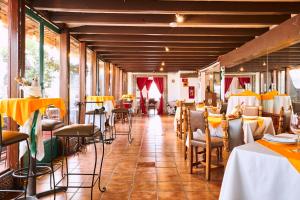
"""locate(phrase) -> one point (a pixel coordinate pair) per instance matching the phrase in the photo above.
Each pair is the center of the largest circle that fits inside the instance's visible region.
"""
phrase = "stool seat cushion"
(120, 110)
(51, 124)
(12, 137)
(76, 130)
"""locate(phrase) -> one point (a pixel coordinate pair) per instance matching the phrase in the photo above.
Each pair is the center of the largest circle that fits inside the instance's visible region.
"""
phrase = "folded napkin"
(281, 138)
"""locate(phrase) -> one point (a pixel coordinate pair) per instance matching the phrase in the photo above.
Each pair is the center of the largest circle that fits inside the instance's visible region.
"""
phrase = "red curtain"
(244, 80)
(141, 82)
(227, 83)
(148, 85)
(160, 86)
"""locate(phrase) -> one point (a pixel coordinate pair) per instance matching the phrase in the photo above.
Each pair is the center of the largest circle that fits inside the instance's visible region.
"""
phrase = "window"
(101, 78)
(294, 84)
(89, 63)
(74, 80)
(4, 69)
(32, 48)
(51, 63)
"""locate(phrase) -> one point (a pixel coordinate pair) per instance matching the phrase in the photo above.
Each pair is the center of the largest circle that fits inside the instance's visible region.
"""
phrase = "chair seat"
(51, 124)
(201, 141)
(76, 130)
(12, 137)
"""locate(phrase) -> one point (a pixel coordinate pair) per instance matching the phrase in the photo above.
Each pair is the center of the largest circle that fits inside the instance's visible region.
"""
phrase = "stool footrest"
(40, 171)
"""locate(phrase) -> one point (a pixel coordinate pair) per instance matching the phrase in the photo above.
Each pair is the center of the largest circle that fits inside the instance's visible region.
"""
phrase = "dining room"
(150, 99)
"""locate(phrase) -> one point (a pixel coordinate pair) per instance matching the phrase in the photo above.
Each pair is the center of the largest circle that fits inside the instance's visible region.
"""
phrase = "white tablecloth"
(109, 106)
(40, 151)
(251, 128)
(237, 100)
(275, 105)
(254, 172)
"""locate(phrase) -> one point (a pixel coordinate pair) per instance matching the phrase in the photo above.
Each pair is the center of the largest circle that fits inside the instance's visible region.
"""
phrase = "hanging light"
(161, 69)
(167, 49)
(179, 18)
(173, 24)
(163, 63)
(242, 69)
(264, 63)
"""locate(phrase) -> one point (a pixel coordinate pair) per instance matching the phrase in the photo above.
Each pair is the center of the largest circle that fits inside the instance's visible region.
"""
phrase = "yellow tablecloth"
(284, 150)
(214, 121)
(100, 98)
(128, 96)
(20, 109)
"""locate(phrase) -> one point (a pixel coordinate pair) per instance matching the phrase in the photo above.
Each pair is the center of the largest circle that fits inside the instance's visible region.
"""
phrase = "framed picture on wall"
(191, 92)
(185, 82)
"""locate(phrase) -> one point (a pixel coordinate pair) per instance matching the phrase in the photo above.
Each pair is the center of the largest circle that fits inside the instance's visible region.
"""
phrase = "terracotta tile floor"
(152, 167)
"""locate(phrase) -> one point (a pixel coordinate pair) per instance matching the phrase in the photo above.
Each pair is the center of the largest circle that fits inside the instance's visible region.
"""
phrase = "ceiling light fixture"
(163, 63)
(167, 49)
(179, 18)
(242, 69)
(173, 24)
(161, 69)
(264, 63)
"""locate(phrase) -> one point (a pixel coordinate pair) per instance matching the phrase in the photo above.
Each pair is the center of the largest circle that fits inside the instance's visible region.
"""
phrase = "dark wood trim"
(94, 73)
(82, 79)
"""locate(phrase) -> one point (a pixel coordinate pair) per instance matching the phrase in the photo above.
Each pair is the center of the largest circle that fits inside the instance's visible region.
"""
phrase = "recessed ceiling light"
(163, 63)
(179, 18)
(161, 69)
(173, 24)
(167, 49)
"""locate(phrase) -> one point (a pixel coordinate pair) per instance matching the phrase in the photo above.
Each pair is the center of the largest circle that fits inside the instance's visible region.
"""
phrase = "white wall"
(173, 86)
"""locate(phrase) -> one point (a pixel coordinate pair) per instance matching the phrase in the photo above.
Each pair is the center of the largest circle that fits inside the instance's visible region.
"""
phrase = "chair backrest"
(233, 135)
(251, 111)
(190, 105)
(197, 120)
(151, 101)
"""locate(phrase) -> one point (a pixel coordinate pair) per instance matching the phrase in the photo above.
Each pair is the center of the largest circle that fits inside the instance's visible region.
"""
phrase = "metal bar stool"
(9, 138)
(82, 131)
(124, 112)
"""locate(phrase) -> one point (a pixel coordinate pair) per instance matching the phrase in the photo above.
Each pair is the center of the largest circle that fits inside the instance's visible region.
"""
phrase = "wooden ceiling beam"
(160, 54)
(282, 36)
(162, 45)
(163, 7)
(158, 49)
(150, 20)
(170, 31)
(166, 39)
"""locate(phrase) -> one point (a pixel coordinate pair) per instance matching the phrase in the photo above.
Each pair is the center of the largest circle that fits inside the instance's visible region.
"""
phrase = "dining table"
(97, 102)
(27, 113)
(272, 102)
(248, 98)
(262, 171)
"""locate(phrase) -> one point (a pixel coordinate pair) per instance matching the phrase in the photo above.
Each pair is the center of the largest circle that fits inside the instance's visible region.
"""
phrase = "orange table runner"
(271, 95)
(214, 121)
(248, 93)
(284, 150)
(260, 121)
(20, 109)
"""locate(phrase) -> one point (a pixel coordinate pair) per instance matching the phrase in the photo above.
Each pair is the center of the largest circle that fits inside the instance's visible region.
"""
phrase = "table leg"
(31, 189)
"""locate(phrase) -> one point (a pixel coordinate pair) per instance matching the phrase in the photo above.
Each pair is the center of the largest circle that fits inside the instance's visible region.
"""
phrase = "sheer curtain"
(159, 81)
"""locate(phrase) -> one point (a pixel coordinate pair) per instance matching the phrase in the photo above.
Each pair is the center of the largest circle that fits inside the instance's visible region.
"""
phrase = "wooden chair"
(152, 105)
(281, 121)
(252, 111)
(232, 134)
(180, 121)
(206, 142)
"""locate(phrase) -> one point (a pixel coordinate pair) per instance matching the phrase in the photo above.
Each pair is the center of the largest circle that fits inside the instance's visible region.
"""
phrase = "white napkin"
(214, 115)
(197, 134)
(281, 138)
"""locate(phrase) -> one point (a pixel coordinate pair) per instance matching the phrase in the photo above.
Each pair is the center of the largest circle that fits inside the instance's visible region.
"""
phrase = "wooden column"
(125, 82)
(82, 78)
(116, 93)
(16, 64)
(106, 78)
(112, 79)
(95, 76)
(64, 70)
(120, 83)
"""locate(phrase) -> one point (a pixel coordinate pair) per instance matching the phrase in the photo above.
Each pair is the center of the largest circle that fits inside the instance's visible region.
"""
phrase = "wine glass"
(296, 129)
